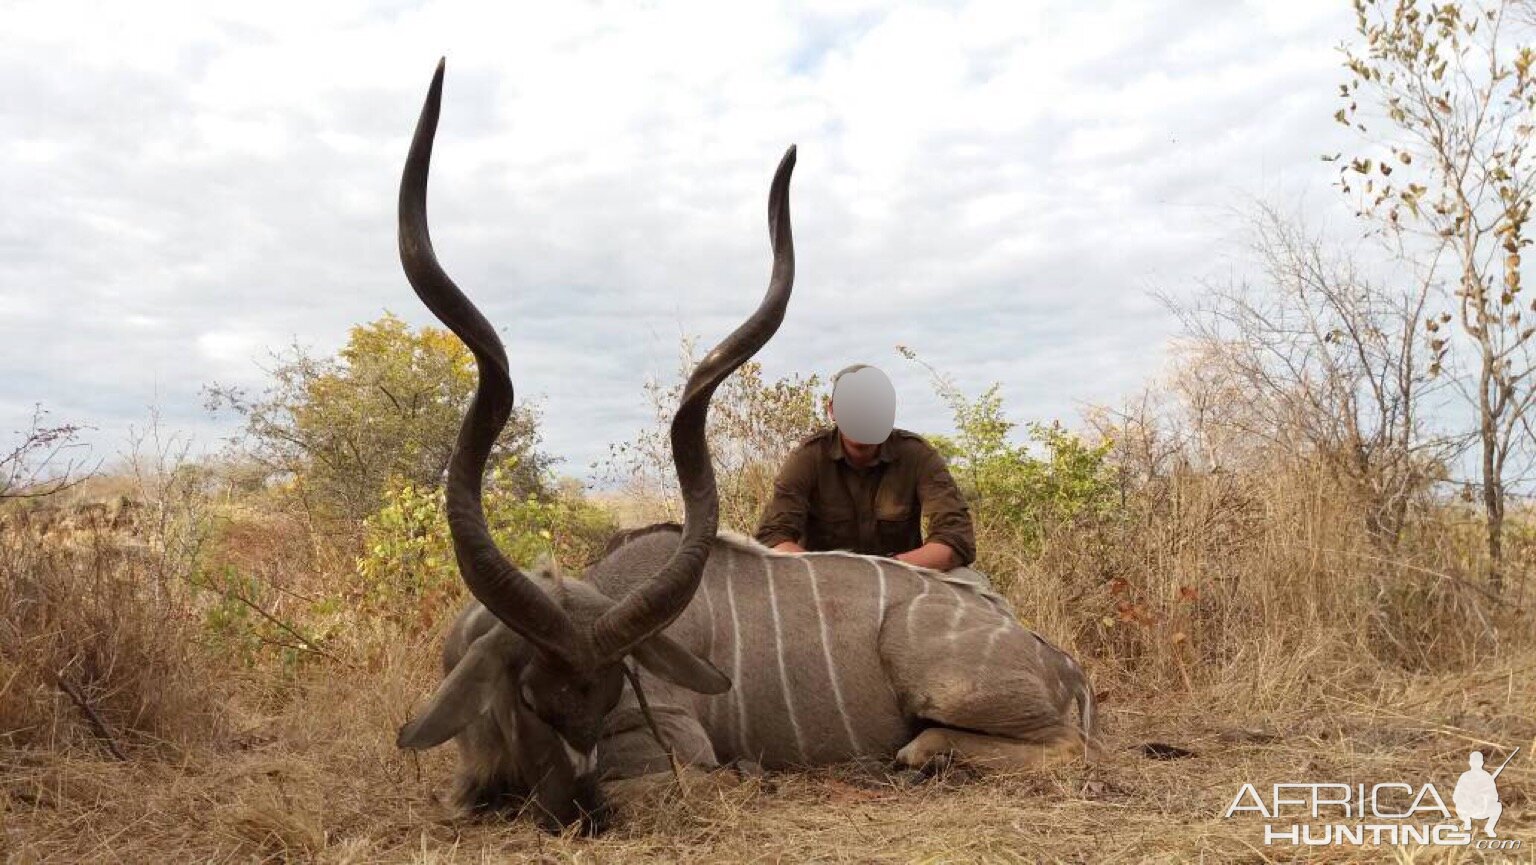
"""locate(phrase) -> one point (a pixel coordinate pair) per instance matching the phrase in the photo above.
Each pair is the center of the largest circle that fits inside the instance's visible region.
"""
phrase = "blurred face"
(864, 406)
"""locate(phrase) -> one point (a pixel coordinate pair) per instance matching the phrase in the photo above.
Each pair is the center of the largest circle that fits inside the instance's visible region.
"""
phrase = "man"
(865, 487)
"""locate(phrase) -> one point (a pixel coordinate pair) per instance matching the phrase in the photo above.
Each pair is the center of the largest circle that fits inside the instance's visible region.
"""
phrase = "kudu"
(832, 656)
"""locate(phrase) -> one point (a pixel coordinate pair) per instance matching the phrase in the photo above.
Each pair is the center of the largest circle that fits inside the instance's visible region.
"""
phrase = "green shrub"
(1018, 492)
(408, 569)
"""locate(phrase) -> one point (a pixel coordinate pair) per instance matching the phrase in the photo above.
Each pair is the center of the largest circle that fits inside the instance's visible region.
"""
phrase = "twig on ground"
(645, 709)
(103, 732)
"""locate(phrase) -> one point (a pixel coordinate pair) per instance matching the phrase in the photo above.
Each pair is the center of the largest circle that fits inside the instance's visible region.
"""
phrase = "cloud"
(997, 185)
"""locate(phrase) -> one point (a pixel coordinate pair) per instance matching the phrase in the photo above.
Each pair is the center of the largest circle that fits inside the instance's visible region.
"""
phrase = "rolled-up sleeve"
(785, 515)
(948, 516)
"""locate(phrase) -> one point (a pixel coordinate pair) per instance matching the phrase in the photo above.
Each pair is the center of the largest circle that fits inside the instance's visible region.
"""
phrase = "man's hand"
(930, 555)
(788, 547)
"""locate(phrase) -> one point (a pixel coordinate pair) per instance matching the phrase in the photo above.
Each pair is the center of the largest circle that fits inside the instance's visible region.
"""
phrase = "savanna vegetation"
(1304, 552)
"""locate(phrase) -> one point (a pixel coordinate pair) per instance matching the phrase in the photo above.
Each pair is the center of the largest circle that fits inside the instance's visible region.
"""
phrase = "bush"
(338, 431)
(408, 567)
(1014, 491)
(1019, 492)
(754, 424)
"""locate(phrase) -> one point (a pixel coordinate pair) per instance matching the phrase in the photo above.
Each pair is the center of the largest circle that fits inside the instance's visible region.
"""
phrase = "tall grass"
(1269, 582)
(87, 626)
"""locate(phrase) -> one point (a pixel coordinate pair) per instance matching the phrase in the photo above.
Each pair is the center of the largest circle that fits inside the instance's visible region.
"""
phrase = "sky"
(1004, 187)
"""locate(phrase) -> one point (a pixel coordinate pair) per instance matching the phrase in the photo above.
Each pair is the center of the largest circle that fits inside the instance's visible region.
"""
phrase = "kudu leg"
(629, 749)
(987, 690)
(988, 752)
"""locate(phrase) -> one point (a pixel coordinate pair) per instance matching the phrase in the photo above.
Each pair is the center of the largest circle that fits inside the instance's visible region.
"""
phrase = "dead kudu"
(831, 656)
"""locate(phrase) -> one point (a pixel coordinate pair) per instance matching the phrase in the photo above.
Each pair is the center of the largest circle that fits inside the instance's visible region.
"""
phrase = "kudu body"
(830, 656)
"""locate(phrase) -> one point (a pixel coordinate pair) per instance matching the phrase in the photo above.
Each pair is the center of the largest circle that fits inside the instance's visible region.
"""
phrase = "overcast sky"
(1000, 186)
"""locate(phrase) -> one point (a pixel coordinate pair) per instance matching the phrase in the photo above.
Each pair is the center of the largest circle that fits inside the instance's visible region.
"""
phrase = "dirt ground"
(325, 784)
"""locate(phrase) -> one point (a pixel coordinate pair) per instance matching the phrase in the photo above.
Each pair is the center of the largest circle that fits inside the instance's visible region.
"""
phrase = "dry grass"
(321, 781)
(1301, 660)
(86, 615)
(1208, 578)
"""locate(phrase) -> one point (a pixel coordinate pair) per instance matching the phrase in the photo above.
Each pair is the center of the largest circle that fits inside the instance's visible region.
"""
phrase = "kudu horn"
(497, 583)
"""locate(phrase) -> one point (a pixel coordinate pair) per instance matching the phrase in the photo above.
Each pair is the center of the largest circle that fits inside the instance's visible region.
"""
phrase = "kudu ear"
(463, 696)
(670, 662)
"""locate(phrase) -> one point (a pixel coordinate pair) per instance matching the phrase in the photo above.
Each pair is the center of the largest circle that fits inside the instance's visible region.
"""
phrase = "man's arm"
(782, 526)
(951, 540)
(934, 554)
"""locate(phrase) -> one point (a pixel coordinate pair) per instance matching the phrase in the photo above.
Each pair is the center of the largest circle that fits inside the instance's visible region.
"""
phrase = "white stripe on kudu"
(912, 604)
(954, 619)
(709, 615)
(880, 610)
(826, 652)
(992, 635)
(709, 642)
(737, 691)
(952, 638)
(778, 651)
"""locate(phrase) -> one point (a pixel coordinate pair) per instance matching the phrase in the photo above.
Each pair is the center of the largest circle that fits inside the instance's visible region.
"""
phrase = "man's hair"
(853, 367)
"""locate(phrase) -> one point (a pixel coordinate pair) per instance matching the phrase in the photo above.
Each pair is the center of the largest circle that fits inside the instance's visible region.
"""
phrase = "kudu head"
(556, 684)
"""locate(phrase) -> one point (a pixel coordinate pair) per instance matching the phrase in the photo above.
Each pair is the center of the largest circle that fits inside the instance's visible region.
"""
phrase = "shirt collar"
(887, 450)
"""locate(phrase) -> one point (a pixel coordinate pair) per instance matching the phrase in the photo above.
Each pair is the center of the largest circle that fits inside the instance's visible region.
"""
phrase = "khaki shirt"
(822, 502)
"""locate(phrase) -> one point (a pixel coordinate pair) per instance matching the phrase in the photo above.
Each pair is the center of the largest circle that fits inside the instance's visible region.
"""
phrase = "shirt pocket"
(898, 532)
(833, 528)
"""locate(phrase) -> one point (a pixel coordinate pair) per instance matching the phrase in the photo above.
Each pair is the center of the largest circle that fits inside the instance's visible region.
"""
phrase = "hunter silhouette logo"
(1477, 796)
(1392, 812)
